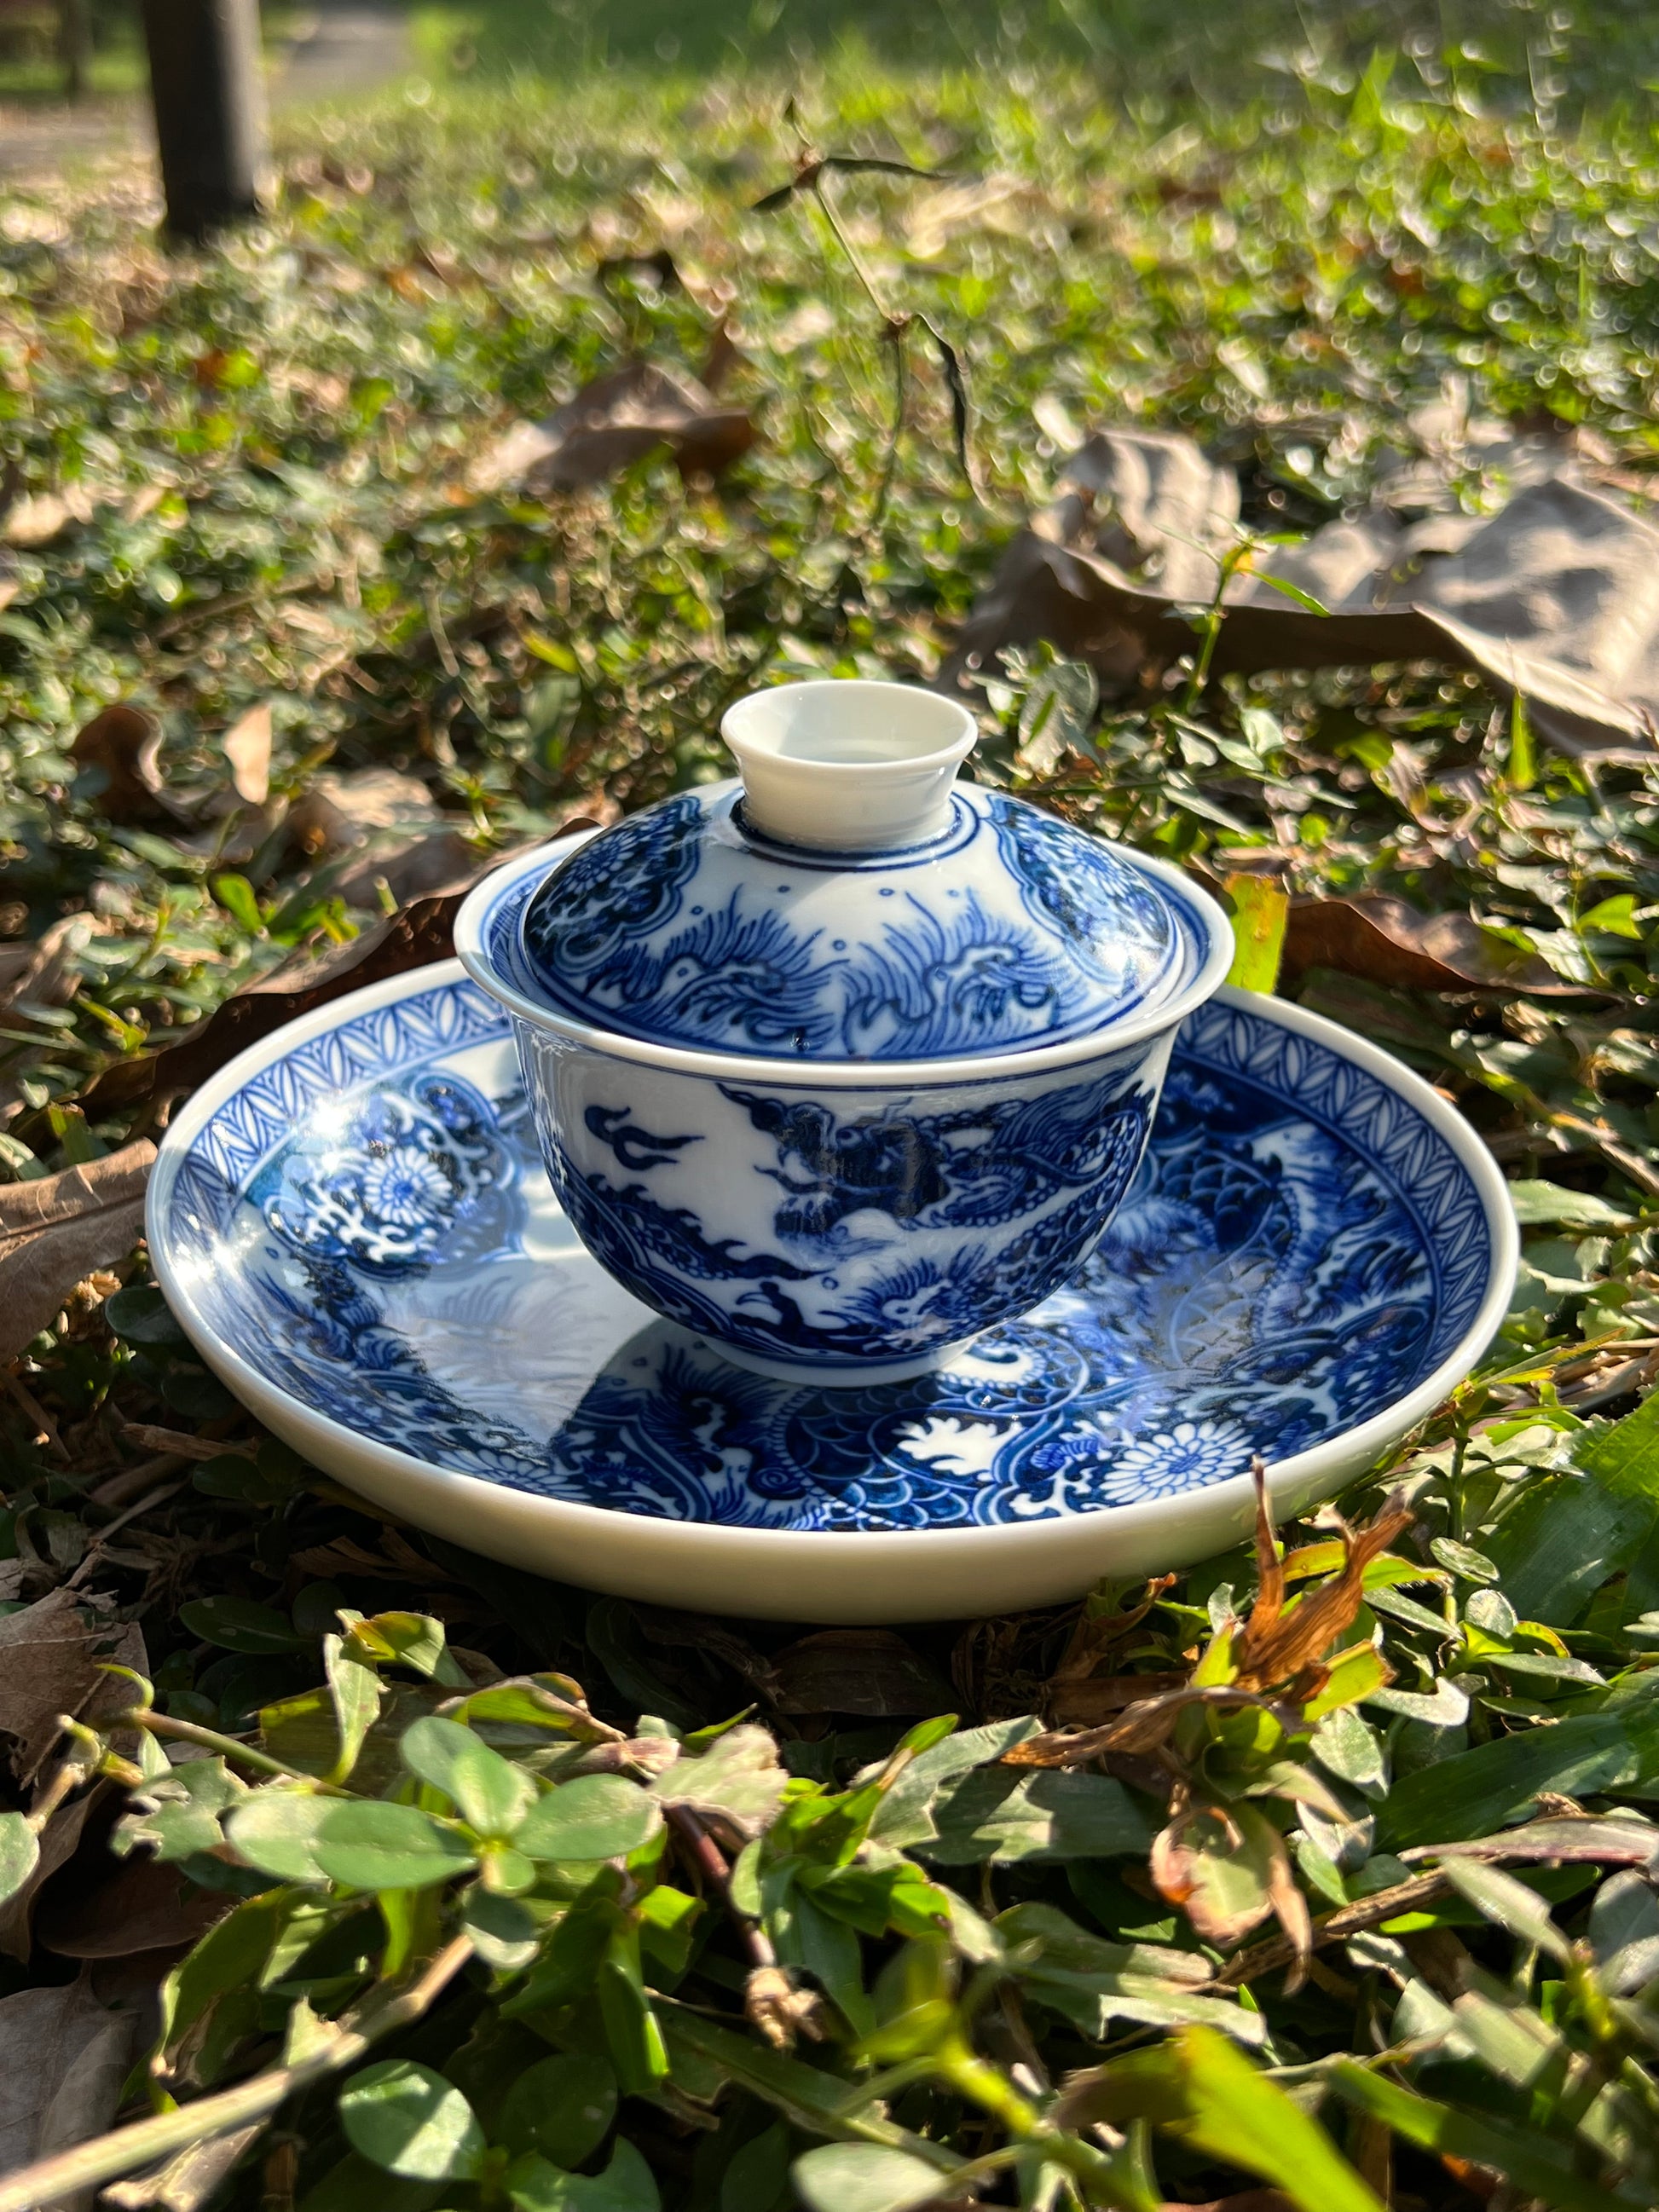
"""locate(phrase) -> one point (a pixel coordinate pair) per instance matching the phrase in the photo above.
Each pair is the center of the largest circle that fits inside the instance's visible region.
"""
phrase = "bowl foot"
(868, 1375)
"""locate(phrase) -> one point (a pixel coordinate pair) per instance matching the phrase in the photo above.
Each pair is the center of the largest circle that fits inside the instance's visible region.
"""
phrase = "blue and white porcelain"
(843, 1065)
(353, 1222)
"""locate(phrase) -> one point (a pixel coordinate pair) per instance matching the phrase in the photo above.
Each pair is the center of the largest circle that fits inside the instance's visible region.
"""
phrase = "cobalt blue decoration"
(1301, 1247)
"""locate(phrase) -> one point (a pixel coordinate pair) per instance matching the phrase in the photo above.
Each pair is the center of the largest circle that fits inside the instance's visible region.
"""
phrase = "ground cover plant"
(364, 1871)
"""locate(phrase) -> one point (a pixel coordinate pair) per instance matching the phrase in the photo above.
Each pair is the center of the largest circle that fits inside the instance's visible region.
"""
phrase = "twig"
(1346, 1920)
(133, 1481)
(37, 1413)
(89, 2165)
(102, 1541)
(710, 1862)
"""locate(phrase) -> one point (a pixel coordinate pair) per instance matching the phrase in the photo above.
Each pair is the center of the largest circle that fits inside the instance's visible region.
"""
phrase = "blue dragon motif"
(677, 926)
(1075, 888)
(1299, 1249)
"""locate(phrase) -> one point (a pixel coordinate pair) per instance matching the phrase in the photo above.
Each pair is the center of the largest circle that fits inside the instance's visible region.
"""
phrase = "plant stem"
(89, 2165)
(226, 1745)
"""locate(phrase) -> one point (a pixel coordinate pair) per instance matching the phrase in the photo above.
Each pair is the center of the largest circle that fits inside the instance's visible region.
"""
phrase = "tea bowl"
(841, 1064)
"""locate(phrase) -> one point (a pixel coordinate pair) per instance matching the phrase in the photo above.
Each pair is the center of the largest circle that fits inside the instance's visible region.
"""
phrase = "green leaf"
(20, 1854)
(235, 894)
(1493, 1784)
(414, 1640)
(303, 1837)
(1345, 1746)
(1564, 1537)
(597, 1816)
(1198, 2086)
(1546, 1205)
(1459, 1560)
(807, 2096)
(381, 1846)
(354, 1692)
(143, 1316)
(562, 2107)
(755, 2179)
(276, 1831)
(240, 1624)
(864, 2178)
(1001, 1813)
(1260, 911)
(1625, 1458)
(411, 2121)
(1507, 1903)
(1528, 2160)
(504, 1932)
(568, 1968)
(738, 1777)
(626, 2185)
(489, 1792)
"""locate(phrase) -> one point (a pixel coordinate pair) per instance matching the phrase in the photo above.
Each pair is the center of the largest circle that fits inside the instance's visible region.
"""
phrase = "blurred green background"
(1504, 50)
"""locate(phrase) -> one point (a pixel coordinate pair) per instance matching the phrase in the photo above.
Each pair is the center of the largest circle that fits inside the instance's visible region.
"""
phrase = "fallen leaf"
(1087, 1704)
(1274, 1643)
(1555, 597)
(612, 423)
(125, 1906)
(35, 520)
(339, 812)
(59, 1840)
(1385, 941)
(46, 973)
(56, 1230)
(246, 746)
(52, 1657)
(185, 2182)
(1225, 1867)
(124, 743)
(419, 934)
(871, 1672)
(64, 2057)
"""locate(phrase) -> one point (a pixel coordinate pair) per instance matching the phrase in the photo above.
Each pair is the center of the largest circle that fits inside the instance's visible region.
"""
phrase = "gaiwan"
(842, 1063)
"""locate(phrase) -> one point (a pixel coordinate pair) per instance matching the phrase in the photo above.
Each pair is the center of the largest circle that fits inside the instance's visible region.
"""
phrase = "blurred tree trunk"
(208, 88)
(74, 45)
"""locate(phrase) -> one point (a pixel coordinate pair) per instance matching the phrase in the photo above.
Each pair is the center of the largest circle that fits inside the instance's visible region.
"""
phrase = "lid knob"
(848, 765)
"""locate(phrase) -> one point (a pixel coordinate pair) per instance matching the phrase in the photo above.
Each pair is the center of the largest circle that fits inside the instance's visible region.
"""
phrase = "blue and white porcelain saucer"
(353, 1222)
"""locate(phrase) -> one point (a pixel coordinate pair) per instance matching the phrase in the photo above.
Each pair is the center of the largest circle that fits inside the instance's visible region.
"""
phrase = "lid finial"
(848, 765)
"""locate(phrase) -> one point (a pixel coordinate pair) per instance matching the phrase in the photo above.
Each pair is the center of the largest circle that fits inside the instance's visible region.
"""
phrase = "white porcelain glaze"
(849, 765)
(470, 1315)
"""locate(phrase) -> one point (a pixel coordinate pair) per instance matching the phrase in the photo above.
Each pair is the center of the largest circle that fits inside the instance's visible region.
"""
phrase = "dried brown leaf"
(56, 1230)
(35, 520)
(64, 2057)
(1145, 1726)
(613, 421)
(1288, 1641)
(46, 973)
(1086, 1705)
(124, 1907)
(869, 1672)
(246, 746)
(1385, 941)
(124, 743)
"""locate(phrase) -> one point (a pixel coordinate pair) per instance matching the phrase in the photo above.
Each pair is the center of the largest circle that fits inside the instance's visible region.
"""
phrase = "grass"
(264, 459)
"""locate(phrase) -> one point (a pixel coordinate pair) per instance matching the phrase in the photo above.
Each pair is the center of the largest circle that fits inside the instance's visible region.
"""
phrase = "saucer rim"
(470, 934)
(1291, 1482)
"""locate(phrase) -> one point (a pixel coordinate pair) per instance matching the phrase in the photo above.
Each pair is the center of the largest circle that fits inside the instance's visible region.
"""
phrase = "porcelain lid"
(847, 901)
